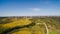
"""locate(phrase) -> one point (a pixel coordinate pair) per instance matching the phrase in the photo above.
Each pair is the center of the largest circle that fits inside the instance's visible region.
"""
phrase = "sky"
(29, 7)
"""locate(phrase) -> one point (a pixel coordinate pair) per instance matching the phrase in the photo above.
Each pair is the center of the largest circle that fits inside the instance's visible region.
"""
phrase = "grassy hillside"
(28, 25)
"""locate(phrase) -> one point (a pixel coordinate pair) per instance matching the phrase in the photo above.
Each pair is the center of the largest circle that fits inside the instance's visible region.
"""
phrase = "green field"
(54, 32)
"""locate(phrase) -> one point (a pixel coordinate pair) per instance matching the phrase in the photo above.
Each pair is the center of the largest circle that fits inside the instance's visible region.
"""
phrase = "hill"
(29, 25)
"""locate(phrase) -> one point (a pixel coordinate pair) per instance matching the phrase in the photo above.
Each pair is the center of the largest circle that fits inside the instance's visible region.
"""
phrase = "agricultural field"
(30, 25)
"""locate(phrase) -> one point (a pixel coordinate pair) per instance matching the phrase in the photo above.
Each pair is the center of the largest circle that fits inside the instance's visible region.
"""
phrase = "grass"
(51, 22)
(54, 32)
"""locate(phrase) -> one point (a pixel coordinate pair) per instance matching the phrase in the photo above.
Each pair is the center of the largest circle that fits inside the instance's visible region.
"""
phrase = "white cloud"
(35, 9)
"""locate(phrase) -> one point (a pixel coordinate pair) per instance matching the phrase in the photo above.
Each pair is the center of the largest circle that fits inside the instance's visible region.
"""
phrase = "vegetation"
(28, 25)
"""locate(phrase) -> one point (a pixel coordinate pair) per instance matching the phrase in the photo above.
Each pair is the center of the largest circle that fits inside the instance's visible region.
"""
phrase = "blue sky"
(29, 7)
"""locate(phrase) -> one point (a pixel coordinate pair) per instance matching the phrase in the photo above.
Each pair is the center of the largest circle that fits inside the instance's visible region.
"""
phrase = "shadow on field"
(18, 27)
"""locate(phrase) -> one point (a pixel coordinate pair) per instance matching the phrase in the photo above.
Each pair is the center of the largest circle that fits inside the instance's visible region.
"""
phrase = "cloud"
(35, 9)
